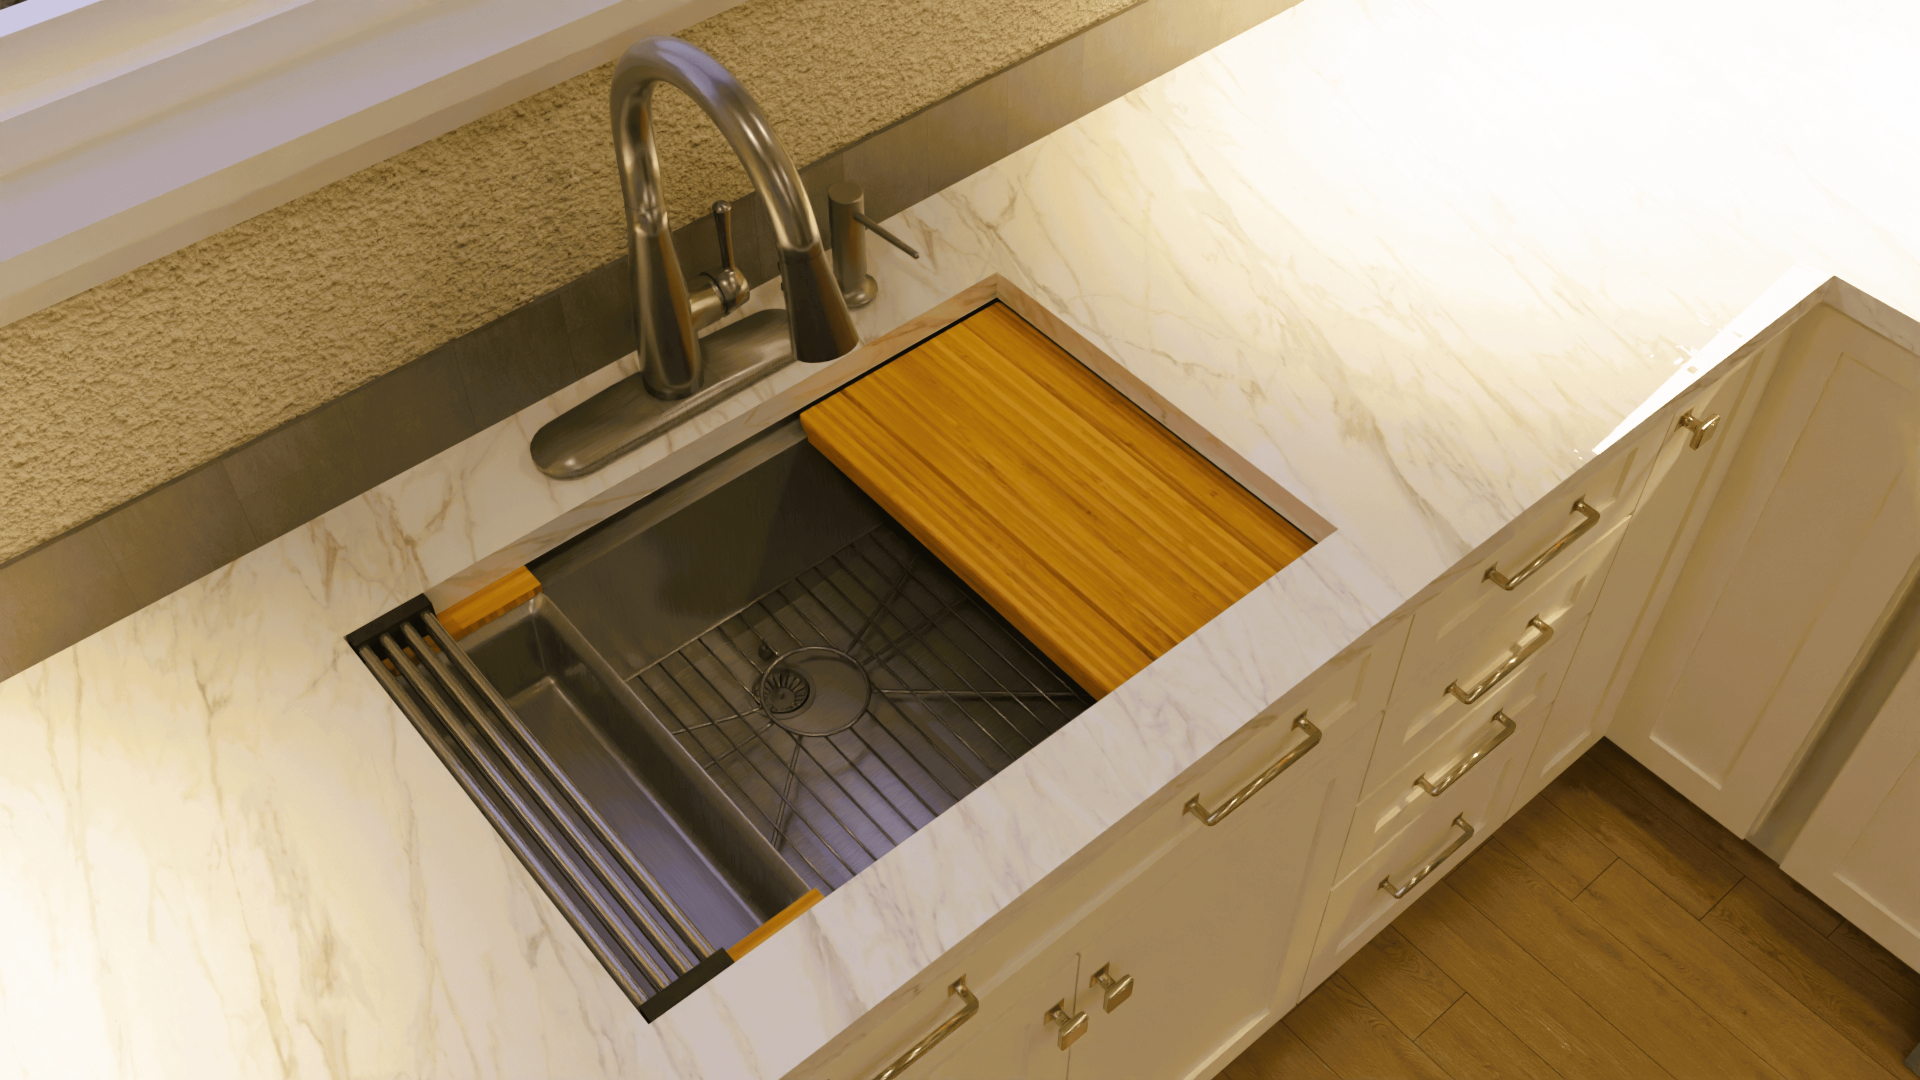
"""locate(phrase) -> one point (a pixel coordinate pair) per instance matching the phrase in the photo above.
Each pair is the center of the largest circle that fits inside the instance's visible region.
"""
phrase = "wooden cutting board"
(1093, 529)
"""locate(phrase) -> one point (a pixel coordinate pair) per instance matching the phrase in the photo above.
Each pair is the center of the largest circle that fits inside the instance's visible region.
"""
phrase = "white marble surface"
(1415, 261)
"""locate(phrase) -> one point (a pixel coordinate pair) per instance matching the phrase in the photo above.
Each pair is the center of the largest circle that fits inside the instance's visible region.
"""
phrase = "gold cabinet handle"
(1253, 788)
(1702, 429)
(1071, 1027)
(1512, 664)
(1466, 834)
(1435, 787)
(1114, 994)
(1580, 507)
(968, 1006)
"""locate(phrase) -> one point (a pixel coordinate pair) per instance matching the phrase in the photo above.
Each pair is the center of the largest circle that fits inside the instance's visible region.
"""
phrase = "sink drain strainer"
(815, 691)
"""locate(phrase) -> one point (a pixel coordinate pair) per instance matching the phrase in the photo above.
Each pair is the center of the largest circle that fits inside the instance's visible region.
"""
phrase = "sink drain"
(815, 691)
(785, 692)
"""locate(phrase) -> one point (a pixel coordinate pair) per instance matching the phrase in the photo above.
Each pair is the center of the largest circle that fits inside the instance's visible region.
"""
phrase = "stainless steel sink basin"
(831, 676)
(750, 684)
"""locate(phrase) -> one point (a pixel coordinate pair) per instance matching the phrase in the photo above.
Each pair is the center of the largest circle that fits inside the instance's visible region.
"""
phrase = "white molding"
(117, 151)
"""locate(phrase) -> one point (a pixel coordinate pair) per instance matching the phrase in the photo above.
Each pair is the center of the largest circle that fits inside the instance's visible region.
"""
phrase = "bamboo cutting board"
(1093, 529)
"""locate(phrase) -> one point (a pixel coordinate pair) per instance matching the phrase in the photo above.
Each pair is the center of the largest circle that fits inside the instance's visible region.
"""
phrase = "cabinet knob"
(1115, 994)
(1071, 1026)
(1702, 429)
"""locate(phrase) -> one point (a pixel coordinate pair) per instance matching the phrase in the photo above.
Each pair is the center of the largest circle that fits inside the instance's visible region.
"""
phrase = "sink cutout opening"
(733, 696)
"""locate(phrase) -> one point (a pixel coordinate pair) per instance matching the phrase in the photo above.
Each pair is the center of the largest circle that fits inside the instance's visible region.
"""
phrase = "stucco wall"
(130, 384)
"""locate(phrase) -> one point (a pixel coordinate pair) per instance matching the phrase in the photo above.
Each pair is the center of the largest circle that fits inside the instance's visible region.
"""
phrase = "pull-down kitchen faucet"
(818, 322)
(682, 373)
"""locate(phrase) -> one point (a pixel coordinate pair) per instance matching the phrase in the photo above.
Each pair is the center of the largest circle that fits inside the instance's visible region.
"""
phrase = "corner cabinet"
(1796, 565)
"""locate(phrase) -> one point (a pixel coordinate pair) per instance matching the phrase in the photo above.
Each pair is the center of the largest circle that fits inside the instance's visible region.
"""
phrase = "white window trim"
(132, 128)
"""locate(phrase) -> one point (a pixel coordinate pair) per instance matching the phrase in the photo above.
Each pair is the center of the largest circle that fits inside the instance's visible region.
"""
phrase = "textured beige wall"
(130, 384)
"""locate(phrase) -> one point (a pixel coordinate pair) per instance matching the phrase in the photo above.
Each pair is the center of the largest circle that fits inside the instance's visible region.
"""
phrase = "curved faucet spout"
(819, 324)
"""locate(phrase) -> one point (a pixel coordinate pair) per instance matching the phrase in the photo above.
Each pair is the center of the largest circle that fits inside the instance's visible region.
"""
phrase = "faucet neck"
(819, 324)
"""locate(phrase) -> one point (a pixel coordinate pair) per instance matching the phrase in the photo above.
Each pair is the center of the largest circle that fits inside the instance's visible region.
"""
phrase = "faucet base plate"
(619, 419)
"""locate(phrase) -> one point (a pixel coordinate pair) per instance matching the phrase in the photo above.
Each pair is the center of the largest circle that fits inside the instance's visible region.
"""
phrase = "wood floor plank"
(1538, 1008)
(1608, 930)
(1719, 980)
(1404, 985)
(1736, 852)
(1555, 846)
(1278, 1055)
(1875, 958)
(1653, 843)
(1345, 1031)
(1673, 1029)
(1772, 937)
(1472, 1044)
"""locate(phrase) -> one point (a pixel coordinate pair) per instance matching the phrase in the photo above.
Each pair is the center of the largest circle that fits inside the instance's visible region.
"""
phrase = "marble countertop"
(1413, 262)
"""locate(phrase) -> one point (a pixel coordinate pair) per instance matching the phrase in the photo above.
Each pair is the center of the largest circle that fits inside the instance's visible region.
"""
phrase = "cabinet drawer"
(1359, 907)
(1523, 703)
(1425, 710)
(1471, 607)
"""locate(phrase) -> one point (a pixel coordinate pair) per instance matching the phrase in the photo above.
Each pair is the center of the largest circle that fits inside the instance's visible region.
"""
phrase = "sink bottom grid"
(835, 770)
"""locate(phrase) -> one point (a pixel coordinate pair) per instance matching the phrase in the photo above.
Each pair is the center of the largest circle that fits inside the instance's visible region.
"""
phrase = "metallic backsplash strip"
(100, 572)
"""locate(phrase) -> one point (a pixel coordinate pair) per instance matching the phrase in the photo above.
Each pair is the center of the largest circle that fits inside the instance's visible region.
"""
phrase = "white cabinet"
(1857, 851)
(1796, 565)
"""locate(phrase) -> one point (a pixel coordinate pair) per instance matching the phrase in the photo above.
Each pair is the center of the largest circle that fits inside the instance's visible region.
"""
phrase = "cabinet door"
(1215, 933)
(1797, 564)
(1667, 517)
(1857, 851)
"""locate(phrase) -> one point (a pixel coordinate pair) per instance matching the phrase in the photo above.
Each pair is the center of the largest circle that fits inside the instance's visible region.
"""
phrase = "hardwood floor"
(1608, 929)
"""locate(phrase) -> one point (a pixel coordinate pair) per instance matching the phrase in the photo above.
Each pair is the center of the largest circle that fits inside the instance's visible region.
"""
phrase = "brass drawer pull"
(1286, 762)
(1113, 994)
(1580, 507)
(1070, 1027)
(1435, 787)
(969, 1006)
(1512, 664)
(1466, 834)
(1702, 429)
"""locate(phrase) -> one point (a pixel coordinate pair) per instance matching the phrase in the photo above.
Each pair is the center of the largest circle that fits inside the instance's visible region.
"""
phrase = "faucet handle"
(728, 281)
(723, 220)
(861, 217)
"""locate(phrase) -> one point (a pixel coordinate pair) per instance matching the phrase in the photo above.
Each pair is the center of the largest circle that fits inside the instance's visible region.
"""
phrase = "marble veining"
(1413, 261)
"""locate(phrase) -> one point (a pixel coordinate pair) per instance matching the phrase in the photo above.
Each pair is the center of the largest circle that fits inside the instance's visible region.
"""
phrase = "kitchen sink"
(751, 685)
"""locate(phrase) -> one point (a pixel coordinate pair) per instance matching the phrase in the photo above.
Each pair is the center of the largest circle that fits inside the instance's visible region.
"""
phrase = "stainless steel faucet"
(682, 373)
(818, 323)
